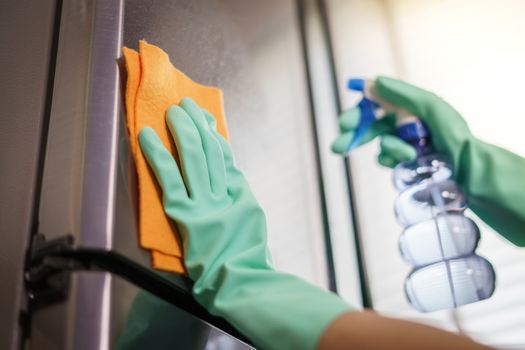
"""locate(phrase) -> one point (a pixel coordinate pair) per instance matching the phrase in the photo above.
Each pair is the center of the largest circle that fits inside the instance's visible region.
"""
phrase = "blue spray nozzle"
(416, 134)
(368, 117)
(412, 131)
(356, 84)
(367, 110)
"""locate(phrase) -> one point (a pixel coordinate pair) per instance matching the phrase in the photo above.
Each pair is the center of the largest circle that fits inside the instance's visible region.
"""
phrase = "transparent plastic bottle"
(438, 240)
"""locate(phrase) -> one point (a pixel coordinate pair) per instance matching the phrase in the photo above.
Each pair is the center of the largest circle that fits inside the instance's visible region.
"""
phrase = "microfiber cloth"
(154, 84)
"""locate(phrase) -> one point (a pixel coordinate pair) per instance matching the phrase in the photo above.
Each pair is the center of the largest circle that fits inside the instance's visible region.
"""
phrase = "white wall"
(472, 53)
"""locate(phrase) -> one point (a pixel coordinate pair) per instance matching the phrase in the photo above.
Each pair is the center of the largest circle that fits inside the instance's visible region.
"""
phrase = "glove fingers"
(386, 160)
(210, 145)
(394, 151)
(405, 95)
(385, 125)
(164, 167)
(434, 111)
(233, 175)
(190, 150)
(225, 146)
(380, 127)
(212, 122)
(340, 145)
(349, 119)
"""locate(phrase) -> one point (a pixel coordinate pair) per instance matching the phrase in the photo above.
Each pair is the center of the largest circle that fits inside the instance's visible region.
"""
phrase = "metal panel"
(252, 50)
(78, 183)
(26, 30)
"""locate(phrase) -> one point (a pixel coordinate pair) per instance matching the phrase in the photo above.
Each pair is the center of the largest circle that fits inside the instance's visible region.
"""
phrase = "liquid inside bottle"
(438, 240)
(450, 283)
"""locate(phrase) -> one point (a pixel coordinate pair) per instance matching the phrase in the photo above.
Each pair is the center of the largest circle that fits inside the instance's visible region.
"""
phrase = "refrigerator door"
(251, 50)
(26, 35)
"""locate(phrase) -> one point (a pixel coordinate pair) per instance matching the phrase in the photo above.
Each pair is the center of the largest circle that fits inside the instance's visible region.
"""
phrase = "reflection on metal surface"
(99, 170)
(100, 163)
(102, 126)
(78, 184)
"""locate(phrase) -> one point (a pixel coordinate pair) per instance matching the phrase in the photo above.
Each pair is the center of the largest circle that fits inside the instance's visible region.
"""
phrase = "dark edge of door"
(25, 317)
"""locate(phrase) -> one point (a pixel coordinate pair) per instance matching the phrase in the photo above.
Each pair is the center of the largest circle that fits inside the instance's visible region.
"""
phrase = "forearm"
(234, 279)
(273, 309)
(494, 181)
(368, 330)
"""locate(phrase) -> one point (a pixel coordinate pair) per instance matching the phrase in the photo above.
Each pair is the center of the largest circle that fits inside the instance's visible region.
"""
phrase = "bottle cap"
(412, 131)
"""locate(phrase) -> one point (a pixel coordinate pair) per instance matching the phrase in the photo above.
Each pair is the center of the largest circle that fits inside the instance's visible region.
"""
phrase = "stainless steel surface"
(26, 29)
(251, 50)
(61, 198)
(100, 161)
(79, 178)
(100, 152)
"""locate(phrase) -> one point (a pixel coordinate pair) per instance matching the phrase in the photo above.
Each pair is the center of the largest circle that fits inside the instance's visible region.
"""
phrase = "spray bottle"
(438, 240)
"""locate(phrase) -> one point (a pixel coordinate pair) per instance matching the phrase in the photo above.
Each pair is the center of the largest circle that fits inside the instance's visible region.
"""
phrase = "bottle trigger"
(367, 109)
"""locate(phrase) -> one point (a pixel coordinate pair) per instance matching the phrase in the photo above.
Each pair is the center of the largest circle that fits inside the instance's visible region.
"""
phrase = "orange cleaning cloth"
(154, 84)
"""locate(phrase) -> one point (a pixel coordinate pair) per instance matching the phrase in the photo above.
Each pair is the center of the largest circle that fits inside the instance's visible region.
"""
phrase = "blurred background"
(469, 53)
(283, 66)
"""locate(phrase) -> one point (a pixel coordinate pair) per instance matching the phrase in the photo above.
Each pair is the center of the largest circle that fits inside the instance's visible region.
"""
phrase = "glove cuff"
(275, 310)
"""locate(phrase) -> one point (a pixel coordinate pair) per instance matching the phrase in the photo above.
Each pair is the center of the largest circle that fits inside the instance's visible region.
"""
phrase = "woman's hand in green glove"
(207, 197)
(491, 177)
(393, 149)
(223, 230)
(448, 129)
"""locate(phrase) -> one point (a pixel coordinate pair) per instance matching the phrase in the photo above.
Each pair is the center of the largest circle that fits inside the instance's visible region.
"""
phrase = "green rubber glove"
(393, 149)
(223, 230)
(491, 177)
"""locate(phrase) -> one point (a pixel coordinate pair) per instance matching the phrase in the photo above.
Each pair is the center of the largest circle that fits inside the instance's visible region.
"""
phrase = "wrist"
(275, 310)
